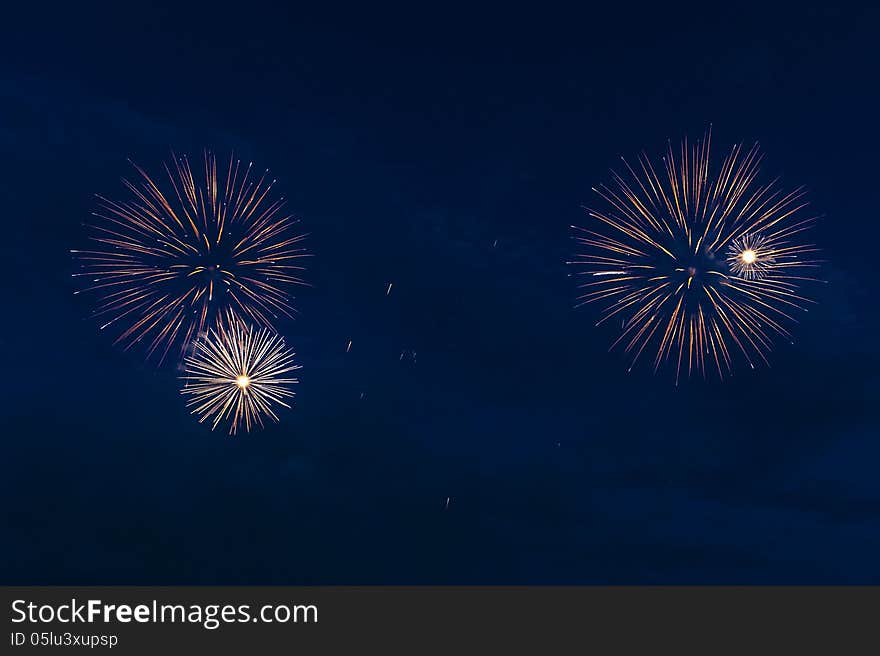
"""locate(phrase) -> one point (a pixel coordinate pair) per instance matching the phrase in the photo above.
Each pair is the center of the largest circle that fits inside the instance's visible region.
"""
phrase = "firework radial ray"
(238, 374)
(700, 268)
(186, 248)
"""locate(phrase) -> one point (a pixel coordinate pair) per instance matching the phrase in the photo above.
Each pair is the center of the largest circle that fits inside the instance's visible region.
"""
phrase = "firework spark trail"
(176, 255)
(237, 373)
(698, 266)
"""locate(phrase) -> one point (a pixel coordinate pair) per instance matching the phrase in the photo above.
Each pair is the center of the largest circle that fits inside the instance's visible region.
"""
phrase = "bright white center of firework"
(749, 256)
(243, 381)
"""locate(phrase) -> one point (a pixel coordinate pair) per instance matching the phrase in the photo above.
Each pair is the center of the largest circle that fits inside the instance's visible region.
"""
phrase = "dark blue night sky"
(408, 142)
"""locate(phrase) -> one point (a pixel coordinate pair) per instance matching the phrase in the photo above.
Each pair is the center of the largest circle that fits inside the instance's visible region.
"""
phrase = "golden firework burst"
(699, 265)
(238, 374)
(178, 253)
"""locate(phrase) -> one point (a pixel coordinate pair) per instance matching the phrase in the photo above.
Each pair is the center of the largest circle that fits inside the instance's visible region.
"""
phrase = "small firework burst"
(182, 251)
(699, 266)
(238, 374)
(752, 257)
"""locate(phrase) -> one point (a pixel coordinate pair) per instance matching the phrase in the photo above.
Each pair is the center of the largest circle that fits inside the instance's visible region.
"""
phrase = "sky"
(447, 151)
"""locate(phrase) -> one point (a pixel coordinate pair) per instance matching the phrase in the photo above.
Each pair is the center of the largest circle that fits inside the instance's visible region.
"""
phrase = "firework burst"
(183, 250)
(238, 374)
(752, 257)
(700, 267)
